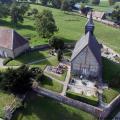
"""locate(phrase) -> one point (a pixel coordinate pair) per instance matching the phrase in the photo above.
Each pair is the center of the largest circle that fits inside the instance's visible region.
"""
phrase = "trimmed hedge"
(7, 60)
(89, 100)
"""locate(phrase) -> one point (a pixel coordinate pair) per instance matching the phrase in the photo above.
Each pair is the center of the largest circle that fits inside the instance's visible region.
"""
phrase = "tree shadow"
(30, 57)
(4, 23)
(44, 108)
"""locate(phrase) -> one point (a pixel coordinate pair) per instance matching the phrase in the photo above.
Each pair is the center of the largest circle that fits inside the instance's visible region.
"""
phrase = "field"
(71, 28)
(40, 108)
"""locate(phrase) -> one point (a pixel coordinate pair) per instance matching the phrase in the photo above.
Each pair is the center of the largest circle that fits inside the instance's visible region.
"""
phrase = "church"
(86, 60)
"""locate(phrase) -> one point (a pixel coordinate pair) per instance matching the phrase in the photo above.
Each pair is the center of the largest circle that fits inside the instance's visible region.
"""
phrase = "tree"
(34, 11)
(66, 6)
(56, 43)
(16, 14)
(24, 7)
(44, 2)
(116, 14)
(45, 24)
(4, 10)
(95, 2)
(59, 55)
(17, 81)
(56, 3)
(111, 2)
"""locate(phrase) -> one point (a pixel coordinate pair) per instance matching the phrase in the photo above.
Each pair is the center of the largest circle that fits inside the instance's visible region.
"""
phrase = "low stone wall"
(110, 107)
(74, 103)
(100, 113)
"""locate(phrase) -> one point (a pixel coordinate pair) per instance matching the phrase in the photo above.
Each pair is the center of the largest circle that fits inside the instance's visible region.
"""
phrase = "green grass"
(40, 108)
(71, 28)
(29, 57)
(5, 99)
(83, 98)
(103, 6)
(50, 61)
(110, 94)
(110, 69)
(61, 77)
(51, 84)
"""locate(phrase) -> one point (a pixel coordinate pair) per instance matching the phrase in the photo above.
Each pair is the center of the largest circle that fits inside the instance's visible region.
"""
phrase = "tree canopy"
(45, 24)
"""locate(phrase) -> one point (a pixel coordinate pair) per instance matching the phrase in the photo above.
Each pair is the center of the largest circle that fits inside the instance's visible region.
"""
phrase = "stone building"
(86, 57)
(11, 43)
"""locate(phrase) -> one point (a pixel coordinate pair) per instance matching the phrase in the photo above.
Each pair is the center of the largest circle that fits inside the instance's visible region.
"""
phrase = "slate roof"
(90, 41)
(10, 39)
(90, 20)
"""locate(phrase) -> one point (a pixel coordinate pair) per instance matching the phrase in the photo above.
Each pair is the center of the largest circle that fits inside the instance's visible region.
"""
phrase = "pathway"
(66, 82)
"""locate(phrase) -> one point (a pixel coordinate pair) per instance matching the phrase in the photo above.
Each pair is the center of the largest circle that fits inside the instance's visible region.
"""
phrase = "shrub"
(82, 98)
(6, 61)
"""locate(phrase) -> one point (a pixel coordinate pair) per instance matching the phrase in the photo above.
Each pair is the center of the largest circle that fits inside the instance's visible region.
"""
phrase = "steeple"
(89, 27)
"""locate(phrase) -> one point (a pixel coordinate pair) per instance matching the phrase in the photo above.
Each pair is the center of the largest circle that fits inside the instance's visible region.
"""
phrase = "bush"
(7, 60)
(82, 98)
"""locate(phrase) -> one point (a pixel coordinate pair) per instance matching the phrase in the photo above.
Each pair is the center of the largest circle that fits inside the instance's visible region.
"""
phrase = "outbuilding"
(12, 44)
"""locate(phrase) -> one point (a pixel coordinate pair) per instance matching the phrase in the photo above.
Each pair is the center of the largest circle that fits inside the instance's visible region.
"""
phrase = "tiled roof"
(10, 39)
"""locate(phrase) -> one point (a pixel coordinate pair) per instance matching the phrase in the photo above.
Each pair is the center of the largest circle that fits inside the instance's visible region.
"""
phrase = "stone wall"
(100, 113)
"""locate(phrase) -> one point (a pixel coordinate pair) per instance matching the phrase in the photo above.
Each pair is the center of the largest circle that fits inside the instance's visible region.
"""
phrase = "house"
(86, 56)
(97, 15)
(11, 43)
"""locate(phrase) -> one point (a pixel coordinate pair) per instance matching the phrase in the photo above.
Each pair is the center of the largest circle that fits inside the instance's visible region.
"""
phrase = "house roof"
(90, 41)
(10, 39)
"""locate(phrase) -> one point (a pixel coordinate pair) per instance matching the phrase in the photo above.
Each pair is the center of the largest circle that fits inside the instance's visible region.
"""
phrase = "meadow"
(71, 28)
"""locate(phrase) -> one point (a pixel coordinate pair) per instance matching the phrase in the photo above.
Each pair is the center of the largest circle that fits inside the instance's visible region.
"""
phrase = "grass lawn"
(5, 99)
(110, 70)
(29, 57)
(61, 77)
(110, 94)
(40, 108)
(51, 84)
(71, 28)
(50, 61)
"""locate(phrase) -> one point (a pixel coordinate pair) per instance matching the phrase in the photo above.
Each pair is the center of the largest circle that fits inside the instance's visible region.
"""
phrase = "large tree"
(95, 2)
(16, 14)
(56, 43)
(45, 24)
(66, 6)
(116, 14)
(17, 81)
(4, 10)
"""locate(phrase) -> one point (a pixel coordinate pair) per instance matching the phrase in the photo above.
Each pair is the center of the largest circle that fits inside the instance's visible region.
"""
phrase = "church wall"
(85, 61)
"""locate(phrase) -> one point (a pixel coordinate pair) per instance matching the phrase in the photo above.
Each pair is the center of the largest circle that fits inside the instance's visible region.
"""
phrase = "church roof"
(90, 20)
(10, 39)
(90, 41)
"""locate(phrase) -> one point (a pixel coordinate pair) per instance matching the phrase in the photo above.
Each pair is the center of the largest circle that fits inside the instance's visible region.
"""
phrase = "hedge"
(89, 100)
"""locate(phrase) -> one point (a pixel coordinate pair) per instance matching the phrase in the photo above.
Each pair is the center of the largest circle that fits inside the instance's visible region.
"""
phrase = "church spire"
(89, 27)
